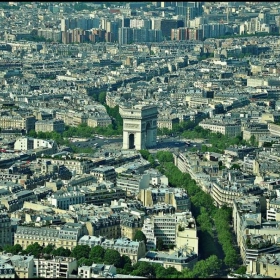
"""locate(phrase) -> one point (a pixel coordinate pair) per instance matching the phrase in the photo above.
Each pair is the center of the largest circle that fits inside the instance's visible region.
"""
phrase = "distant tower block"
(139, 126)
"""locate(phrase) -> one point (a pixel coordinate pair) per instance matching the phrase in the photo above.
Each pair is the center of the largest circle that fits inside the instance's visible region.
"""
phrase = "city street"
(169, 143)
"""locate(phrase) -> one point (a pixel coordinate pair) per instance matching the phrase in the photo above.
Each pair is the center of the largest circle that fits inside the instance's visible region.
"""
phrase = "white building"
(58, 267)
(97, 271)
(148, 230)
(132, 183)
(63, 200)
(28, 143)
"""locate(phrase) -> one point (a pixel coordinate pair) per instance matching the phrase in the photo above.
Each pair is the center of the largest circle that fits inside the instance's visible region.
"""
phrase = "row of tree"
(218, 142)
(87, 256)
(209, 218)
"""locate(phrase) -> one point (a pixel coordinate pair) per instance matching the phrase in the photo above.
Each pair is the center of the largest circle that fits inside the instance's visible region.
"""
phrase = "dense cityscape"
(139, 140)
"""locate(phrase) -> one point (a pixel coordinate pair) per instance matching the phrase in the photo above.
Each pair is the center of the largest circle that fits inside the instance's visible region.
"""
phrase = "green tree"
(127, 265)
(144, 269)
(214, 264)
(61, 252)
(80, 251)
(145, 154)
(102, 97)
(48, 249)
(13, 249)
(241, 270)
(113, 257)
(253, 140)
(235, 166)
(151, 160)
(159, 244)
(172, 272)
(97, 252)
(84, 261)
(32, 133)
(140, 236)
(160, 271)
(164, 156)
(34, 249)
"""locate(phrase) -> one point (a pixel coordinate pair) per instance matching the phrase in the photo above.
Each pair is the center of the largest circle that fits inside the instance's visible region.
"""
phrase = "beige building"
(186, 235)
(50, 126)
(79, 167)
(133, 249)
(267, 265)
(129, 227)
(110, 228)
(96, 121)
(230, 129)
(167, 121)
(17, 122)
(274, 129)
(179, 258)
(257, 132)
(104, 173)
(66, 237)
(225, 192)
(23, 266)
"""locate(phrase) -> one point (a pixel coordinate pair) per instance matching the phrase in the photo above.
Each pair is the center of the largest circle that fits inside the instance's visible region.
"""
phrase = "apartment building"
(104, 173)
(97, 271)
(176, 197)
(132, 183)
(78, 167)
(63, 200)
(129, 225)
(165, 121)
(257, 131)
(50, 126)
(225, 192)
(58, 267)
(91, 241)
(107, 226)
(17, 122)
(28, 143)
(67, 236)
(230, 129)
(148, 230)
(15, 201)
(133, 249)
(23, 265)
(255, 245)
(102, 193)
(267, 264)
(273, 214)
(25, 236)
(274, 129)
(100, 120)
(6, 270)
(165, 228)
(179, 259)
